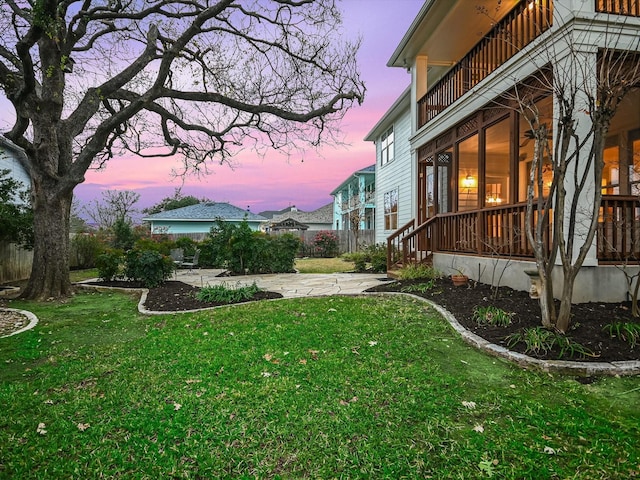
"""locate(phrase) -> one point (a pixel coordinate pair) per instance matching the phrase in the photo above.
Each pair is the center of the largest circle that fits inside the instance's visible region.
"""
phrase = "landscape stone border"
(582, 369)
(33, 320)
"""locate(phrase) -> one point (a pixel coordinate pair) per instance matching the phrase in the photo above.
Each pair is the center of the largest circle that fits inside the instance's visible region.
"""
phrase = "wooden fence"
(15, 262)
(346, 238)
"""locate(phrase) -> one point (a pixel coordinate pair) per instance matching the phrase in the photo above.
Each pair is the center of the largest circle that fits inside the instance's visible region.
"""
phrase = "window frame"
(387, 148)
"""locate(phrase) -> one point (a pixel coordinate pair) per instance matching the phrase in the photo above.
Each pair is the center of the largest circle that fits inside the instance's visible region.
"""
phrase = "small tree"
(172, 203)
(115, 205)
(16, 215)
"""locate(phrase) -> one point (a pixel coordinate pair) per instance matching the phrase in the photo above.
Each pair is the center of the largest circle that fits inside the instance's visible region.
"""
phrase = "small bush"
(539, 340)
(491, 315)
(108, 265)
(148, 267)
(326, 243)
(378, 257)
(86, 249)
(359, 259)
(224, 294)
(628, 332)
(189, 246)
(415, 271)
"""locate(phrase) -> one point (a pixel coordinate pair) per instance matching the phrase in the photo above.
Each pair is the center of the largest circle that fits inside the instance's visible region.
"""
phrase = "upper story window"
(386, 147)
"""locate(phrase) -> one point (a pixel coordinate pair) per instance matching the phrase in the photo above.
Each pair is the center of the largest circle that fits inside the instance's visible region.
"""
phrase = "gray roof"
(208, 211)
(321, 215)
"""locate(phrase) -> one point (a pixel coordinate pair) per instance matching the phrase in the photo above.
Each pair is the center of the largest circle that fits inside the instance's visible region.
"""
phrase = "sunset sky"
(275, 182)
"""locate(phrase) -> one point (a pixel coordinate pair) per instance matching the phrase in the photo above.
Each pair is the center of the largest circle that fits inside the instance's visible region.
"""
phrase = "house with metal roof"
(200, 218)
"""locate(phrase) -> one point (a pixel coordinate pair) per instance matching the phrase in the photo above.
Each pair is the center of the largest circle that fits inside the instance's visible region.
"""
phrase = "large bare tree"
(197, 79)
(563, 212)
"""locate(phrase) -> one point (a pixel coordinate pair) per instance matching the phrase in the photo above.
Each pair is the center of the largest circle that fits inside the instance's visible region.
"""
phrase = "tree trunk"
(547, 307)
(50, 270)
(564, 314)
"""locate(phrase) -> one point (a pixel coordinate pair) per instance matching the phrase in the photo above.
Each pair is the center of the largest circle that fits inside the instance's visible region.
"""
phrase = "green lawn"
(343, 387)
(324, 265)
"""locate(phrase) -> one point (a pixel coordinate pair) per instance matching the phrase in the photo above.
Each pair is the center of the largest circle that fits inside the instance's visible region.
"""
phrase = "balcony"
(527, 21)
(619, 7)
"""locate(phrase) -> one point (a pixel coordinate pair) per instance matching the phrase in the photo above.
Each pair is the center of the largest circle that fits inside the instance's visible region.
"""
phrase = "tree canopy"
(194, 79)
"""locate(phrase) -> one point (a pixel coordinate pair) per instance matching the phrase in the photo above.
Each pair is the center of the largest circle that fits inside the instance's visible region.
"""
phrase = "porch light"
(532, 4)
(468, 182)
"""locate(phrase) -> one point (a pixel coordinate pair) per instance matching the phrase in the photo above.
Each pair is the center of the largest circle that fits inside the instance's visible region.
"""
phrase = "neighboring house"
(469, 153)
(292, 219)
(10, 155)
(354, 201)
(200, 218)
(395, 170)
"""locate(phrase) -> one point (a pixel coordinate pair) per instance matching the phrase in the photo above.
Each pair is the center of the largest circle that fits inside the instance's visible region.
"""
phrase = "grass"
(342, 387)
(324, 265)
(224, 293)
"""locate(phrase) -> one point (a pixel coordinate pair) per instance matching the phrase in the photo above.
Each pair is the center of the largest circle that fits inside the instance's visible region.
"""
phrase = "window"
(386, 147)
(391, 210)
(468, 173)
(497, 171)
(526, 150)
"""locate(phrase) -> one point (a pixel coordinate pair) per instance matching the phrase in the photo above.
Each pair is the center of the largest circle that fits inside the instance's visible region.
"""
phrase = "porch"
(499, 233)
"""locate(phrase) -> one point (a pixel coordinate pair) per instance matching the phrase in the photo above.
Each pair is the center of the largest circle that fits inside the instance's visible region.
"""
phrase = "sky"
(274, 182)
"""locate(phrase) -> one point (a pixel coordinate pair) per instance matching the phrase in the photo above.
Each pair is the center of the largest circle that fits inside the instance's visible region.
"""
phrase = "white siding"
(9, 161)
(396, 174)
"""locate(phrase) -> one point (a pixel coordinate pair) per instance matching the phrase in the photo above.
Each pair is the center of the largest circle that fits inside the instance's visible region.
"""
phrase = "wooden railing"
(394, 243)
(619, 229)
(500, 231)
(619, 7)
(518, 28)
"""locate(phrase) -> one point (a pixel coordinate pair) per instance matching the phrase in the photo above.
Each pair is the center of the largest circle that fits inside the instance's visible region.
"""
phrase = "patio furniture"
(191, 262)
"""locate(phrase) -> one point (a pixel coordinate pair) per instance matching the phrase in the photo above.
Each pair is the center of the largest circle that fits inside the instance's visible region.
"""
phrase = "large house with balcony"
(354, 205)
(468, 150)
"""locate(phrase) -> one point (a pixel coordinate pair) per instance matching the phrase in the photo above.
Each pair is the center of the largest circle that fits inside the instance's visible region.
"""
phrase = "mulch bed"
(174, 296)
(588, 319)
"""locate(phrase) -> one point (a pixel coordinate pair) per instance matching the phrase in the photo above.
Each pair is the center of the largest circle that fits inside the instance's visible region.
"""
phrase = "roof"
(370, 170)
(273, 213)
(323, 214)
(207, 211)
(12, 146)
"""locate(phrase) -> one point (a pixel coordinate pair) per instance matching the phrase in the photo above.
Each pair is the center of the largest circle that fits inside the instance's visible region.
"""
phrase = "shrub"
(491, 315)
(224, 294)
(415, 271)
(149, 267)
(359, 259)
(378, 257)
(326, 243)
(161, 245)
(188, 245)
(86, 249)
(108, 265)
(241, 250)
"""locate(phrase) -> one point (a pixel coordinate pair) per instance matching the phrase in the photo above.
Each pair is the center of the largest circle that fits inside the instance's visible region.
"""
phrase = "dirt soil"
(588, 319)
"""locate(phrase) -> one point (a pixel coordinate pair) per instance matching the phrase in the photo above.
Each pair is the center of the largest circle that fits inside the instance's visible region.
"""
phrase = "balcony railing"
(619, 7)
(500, 232)
(527, 21)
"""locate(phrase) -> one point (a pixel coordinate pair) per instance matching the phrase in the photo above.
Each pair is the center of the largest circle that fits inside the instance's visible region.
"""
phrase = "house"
(468, 150)
(10, 159)
(292, 219)
(394, 169)
(354, 201)
(200, 218)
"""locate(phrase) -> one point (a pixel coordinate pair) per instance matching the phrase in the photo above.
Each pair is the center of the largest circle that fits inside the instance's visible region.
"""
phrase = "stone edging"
(33, 320)
(584, 369)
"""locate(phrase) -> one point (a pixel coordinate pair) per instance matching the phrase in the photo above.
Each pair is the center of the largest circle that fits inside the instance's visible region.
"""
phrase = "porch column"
(418, 87)
(577, 71)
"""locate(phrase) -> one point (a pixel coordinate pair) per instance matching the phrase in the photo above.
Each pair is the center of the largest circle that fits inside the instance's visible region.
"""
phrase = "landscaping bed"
(588, 325)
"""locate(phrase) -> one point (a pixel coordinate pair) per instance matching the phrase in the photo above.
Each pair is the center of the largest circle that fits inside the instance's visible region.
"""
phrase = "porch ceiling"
(445, 30)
